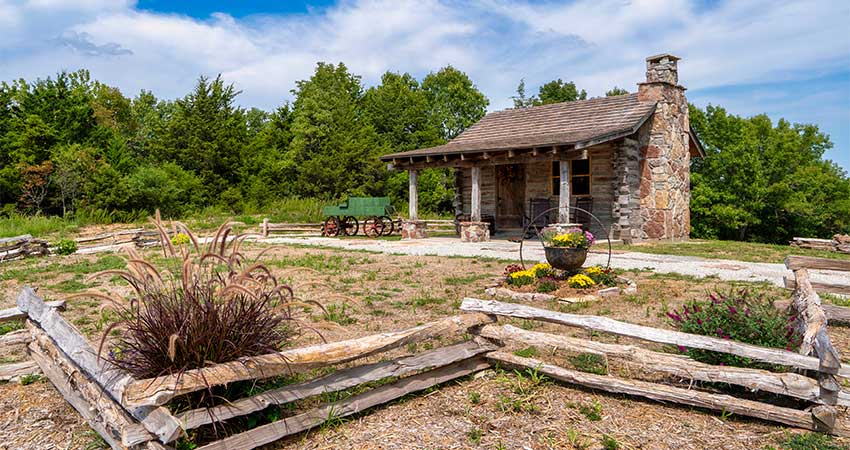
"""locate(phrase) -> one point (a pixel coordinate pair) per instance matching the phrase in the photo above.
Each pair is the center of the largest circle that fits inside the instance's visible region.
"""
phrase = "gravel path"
(533, 251)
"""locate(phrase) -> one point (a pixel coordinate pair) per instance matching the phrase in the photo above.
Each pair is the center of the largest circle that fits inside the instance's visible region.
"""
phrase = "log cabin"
(619, 166)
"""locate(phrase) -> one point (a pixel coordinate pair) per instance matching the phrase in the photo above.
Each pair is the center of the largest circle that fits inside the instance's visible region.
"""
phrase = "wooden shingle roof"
(578, 124)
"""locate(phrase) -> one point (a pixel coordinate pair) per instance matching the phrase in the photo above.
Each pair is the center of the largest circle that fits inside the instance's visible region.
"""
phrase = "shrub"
(221, 307)
(180, 239)
(521, 278)
(742, 315)
(66, 247)
(580, 281)
(511, 268)
(547, 285)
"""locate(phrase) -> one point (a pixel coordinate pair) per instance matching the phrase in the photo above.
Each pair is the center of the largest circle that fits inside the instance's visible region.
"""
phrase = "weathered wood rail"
(822, 391)
(130, 414)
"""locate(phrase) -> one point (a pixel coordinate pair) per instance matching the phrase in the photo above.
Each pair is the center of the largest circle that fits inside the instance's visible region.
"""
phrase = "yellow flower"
(593, 270)
(541, 270)
(521, 278)
(580, 281)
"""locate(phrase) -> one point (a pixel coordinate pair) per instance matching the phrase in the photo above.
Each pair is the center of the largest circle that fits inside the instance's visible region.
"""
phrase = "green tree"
(206, 134)
(557, 91)
(764, 182)
(521, 99)
(454, 101)
(333, 147)
(615, 91)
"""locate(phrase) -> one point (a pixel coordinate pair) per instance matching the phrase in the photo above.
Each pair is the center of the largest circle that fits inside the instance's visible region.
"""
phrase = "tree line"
(71, 145)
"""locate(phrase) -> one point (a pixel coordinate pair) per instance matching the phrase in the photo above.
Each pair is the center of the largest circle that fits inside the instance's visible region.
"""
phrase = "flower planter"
(565, 258)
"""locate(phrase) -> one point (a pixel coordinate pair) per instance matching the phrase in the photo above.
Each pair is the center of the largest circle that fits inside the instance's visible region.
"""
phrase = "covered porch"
(505, 190)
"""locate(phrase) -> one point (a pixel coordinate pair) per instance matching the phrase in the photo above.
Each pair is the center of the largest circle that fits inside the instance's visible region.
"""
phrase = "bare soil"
(367, 293)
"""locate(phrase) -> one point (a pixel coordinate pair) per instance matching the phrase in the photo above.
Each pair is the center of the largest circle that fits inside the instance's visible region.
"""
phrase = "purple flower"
(699, 321)
(675, 316)
(732, 310)
(682, 349)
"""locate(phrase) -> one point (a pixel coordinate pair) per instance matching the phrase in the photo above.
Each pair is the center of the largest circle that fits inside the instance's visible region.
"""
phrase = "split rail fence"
(134, 414)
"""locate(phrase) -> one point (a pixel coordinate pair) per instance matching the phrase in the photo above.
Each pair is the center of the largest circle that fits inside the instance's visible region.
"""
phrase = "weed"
(95, 441)
(609, 443)
(68, 286)
(590, 363)
(30, 378)
(593, 411)
(528, 352)
(8, 327)
(464, 280)
(475, 397)
(426, 299)
(474, 435)
(810, 441)
(338, 314)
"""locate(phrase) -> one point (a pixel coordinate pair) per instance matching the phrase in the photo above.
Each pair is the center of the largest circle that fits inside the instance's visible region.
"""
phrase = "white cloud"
(597, 43)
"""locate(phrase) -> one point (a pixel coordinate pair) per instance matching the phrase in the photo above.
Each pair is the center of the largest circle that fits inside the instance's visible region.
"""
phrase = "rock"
(609, 292)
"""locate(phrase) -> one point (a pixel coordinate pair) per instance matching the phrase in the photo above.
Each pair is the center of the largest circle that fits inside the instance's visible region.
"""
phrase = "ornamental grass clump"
(741, 315)
(219, 308)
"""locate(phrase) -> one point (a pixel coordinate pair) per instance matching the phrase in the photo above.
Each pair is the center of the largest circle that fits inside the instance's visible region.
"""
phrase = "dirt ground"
(367, 293)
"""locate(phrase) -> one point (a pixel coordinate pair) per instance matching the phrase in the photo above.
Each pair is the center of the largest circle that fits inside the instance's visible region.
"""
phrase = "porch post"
(476, 195)
(414, 195)
(564, 193)
(413, 228)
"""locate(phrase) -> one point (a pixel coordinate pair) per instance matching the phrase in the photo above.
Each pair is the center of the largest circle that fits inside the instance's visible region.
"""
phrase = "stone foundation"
(474, 231)
(413, 229)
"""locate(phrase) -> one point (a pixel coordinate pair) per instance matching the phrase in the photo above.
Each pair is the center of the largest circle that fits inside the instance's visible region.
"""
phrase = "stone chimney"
(664, 157)
(662, 69)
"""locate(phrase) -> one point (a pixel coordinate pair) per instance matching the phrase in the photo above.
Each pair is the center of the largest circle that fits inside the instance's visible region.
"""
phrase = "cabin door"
(510, 195)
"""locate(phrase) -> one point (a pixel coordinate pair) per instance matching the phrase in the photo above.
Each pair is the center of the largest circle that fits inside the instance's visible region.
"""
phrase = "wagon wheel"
(389, 226)
(373, 227)
(331, 227)
(349, 226)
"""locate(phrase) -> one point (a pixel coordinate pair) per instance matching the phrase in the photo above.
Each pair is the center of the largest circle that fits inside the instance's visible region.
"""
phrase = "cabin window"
(579, 178)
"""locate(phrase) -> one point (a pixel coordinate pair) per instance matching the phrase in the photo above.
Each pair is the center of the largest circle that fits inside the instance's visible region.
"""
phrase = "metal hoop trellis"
(559, 209)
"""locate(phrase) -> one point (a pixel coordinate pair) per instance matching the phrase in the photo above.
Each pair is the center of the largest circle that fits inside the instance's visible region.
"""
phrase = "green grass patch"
(464, 280)
(810, 441)
(590, 363)
(10, 326)
(735, 250)
(528, 352)
(69, 286)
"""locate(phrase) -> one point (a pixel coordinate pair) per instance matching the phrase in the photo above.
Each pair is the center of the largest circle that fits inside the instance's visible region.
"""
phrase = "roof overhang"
(694, 144)
(484, 153)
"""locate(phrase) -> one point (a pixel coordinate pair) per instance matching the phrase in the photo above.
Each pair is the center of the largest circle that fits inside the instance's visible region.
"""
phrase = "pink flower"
(682, 349)
(732, 310)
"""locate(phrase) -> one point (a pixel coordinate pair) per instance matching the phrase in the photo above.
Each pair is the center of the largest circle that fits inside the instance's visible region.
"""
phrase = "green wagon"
(376, 213)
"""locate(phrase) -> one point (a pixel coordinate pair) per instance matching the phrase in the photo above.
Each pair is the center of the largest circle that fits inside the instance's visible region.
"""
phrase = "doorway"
(510, 195)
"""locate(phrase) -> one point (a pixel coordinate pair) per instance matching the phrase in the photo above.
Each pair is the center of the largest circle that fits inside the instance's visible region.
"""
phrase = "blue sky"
(785, 58)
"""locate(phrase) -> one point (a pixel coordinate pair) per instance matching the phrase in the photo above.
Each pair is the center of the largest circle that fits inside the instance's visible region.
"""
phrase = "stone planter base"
(474, 231)
(413, 229)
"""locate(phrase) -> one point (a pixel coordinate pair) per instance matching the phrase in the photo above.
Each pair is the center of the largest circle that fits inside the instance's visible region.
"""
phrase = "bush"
(66, 247)
(742, 315)
(548, 284)
(221, 308)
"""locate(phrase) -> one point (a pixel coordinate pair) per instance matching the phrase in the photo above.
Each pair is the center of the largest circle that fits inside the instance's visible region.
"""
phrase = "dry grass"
(385, 292)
